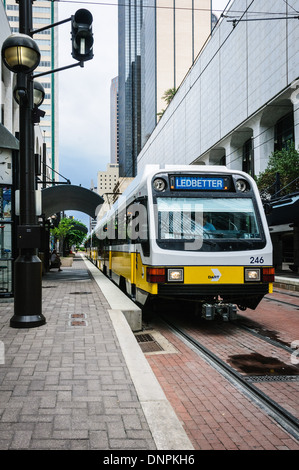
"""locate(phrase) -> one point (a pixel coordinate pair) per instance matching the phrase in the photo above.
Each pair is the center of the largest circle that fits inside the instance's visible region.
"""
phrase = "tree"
(76, 234)
(167, 97)
(285, 163)
(68, 232)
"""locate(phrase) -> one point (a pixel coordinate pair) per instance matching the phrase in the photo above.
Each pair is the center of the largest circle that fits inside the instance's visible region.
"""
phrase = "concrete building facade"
(107, 179)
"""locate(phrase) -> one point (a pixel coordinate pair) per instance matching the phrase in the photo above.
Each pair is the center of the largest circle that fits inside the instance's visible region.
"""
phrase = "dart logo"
(216, 275)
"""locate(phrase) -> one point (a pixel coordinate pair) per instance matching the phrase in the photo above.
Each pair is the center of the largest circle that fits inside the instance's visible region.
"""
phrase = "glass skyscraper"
(158, 42)
(129, 75)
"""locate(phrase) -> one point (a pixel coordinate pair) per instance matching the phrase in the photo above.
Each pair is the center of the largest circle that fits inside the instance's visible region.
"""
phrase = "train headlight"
(252, 274)
(242, 185)
(159, 184)
(175, 275)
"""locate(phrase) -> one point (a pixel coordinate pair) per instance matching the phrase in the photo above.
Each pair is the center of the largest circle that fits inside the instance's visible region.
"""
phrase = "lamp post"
(21, 55)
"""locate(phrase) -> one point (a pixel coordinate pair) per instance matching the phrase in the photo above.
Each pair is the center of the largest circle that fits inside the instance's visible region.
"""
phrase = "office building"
(44, 13)
(158, 42)
(107, 179)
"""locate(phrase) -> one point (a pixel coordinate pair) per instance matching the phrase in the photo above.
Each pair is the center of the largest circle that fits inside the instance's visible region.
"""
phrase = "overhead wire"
(287, 3)
(160, 7)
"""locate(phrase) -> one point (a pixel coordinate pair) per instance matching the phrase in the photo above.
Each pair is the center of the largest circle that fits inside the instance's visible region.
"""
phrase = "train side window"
(137, 225)
(144, 229)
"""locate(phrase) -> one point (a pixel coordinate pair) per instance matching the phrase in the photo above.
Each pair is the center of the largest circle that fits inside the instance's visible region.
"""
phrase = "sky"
(84, 94)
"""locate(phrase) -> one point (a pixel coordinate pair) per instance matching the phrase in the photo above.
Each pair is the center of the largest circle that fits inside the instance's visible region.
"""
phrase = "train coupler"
(225, 311)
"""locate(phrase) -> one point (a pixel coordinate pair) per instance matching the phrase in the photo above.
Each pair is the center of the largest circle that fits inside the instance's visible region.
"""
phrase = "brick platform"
(66, 385)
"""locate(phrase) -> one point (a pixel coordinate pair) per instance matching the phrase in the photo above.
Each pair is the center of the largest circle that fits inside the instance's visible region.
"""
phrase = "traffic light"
(82, 37)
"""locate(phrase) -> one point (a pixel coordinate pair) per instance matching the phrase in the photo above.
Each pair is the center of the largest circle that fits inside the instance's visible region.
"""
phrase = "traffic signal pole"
(81, 37)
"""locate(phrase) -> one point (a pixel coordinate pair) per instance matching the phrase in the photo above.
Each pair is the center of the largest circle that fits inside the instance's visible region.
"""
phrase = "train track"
(281, 302)
(289, 422)
(275, 291)
(252, 330)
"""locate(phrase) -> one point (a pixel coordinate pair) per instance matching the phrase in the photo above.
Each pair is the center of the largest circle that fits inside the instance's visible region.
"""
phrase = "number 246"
(257, 260)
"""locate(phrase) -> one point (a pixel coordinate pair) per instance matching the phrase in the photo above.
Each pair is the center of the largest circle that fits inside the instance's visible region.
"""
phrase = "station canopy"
(70, 197)
(7, 140)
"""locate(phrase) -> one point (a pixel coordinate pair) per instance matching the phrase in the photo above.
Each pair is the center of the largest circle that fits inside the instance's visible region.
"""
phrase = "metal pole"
(28, 266)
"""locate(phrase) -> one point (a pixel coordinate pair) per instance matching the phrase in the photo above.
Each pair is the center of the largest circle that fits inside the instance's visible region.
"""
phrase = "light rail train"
(191, 233)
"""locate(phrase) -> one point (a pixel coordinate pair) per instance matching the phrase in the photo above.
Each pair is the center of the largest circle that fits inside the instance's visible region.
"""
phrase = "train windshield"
(206, 224)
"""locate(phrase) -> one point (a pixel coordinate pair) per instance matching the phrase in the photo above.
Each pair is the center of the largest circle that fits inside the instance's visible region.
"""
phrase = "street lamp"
(38, 94)
(21, 55)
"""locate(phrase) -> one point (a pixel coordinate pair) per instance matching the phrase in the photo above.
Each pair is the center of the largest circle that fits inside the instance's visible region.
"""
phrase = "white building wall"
(239, 87)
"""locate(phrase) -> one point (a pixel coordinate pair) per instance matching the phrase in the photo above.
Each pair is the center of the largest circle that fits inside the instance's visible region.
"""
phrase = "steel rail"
(251, 330)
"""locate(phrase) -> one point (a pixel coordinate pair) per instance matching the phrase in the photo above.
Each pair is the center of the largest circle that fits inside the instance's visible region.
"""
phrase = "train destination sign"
(199, 182)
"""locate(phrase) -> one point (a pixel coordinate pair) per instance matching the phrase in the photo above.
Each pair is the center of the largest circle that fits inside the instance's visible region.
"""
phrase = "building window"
(284, 132)
(248, 160)
(222, 160)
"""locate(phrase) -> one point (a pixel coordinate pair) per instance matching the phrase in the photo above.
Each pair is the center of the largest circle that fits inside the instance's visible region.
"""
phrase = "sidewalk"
(81, 381)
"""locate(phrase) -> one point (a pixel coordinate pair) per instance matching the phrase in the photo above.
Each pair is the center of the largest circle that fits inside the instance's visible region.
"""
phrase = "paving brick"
(65, 387)
(21, 440)
(225, 418)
